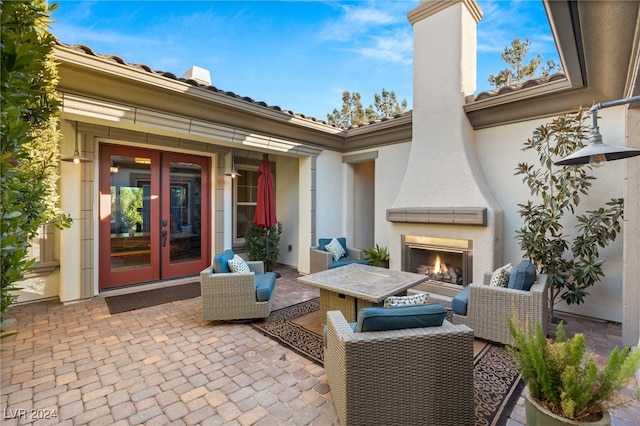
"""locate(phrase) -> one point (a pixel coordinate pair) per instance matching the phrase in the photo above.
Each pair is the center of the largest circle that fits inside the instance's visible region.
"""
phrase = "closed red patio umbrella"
(265, 215)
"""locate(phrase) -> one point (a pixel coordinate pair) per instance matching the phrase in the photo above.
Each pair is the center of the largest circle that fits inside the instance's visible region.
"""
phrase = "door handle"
(164, 238)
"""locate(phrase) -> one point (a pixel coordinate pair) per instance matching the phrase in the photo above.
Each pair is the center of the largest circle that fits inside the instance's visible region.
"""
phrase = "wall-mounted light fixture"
(76, 158)
(233, 172)
(595, 152)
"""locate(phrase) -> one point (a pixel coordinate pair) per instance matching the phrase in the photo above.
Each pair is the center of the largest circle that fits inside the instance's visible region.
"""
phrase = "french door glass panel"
(130, 192)
(129, 216)
(186, 212)
(185, 224)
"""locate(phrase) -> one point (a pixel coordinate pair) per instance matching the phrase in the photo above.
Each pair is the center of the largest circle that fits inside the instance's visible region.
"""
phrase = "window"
(42, 251)
(245, 192)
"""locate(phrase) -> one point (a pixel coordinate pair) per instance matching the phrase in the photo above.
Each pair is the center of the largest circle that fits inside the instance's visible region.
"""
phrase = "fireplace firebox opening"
(447, 262)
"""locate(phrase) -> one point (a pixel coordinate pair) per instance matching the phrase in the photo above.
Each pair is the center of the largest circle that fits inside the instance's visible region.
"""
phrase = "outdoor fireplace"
(447, 262)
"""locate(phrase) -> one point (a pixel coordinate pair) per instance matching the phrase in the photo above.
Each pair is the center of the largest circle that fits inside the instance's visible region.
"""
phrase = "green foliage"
(262, 243)
(379, 256)
(518, 71)
(385, 105)
(560, 376)
(353, 113)
(131, 201)
(572, 264)
(29, 138)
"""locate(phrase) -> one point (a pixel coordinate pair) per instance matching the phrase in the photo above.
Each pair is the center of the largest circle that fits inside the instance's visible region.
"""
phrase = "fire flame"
(439, 267)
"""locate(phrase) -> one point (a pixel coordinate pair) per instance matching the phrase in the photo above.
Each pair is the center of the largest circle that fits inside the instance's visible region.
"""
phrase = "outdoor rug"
(496, 379)
(144, 299)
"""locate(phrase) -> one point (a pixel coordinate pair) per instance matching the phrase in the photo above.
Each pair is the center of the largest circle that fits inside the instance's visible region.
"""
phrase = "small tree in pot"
(563, 381)
(572, 264)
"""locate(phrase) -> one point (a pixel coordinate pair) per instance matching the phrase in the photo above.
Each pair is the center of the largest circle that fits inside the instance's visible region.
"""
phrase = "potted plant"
(563, 385)
(379, 256)
(263, 244)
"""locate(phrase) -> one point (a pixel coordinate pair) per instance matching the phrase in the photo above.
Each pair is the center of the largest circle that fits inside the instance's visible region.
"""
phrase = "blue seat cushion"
(523, 276)
(346, 261)
(324, 241)
(264, 286)
(220, 261)
(460, 302)
(399, 317)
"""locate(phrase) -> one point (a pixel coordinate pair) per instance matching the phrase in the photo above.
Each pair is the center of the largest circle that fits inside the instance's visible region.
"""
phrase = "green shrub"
(379, 256)
(29, 138)
(262, 243)
(560, 376)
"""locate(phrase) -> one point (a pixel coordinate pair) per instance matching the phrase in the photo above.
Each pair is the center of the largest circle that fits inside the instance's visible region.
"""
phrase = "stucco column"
(631, 231)
(70, 203)
(306, 211)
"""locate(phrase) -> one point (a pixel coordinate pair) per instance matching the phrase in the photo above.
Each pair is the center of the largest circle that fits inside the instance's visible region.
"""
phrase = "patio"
(163, 365)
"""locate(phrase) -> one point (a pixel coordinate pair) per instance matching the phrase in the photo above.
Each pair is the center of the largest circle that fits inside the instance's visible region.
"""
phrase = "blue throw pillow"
(324, 241)
(220, 261)
(398, 317)
(523, 276)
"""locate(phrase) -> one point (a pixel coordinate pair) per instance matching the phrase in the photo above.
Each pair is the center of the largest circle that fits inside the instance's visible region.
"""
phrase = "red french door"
(154, 215)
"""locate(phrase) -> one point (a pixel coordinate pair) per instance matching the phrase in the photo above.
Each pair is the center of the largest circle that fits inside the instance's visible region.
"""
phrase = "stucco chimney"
(443, 172)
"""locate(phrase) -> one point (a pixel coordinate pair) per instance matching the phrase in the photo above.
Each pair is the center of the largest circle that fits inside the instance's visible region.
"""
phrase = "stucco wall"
(390, 168)
(330, 196)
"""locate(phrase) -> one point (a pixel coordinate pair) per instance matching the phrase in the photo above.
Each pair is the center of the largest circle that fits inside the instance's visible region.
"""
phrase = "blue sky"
(299, 55)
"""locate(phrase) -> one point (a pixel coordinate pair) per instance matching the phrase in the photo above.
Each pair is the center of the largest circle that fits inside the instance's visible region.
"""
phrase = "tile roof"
(89, 51)
(479, 97)
(520, 86)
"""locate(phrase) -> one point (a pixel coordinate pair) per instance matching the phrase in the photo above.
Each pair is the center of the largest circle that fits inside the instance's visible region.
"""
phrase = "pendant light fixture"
(233, 173)
(76, 158)
(596, 153)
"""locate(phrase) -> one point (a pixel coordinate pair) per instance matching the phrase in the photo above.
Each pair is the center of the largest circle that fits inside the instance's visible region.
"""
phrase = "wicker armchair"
(232, 296)
(414, 376)
(489, 307)
(321, 259)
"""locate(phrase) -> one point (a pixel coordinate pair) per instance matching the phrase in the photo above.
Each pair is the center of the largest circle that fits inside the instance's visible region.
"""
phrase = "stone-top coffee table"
(352, 287)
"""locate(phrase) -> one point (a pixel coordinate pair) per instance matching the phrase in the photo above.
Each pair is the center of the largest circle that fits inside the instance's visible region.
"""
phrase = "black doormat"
(159, 296)
(497, 382)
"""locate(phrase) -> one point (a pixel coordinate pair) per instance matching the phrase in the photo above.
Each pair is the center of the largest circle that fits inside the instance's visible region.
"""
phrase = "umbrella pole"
(278, 275)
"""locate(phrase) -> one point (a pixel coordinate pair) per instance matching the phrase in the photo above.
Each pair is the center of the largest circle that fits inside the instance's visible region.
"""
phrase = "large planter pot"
(539, 416)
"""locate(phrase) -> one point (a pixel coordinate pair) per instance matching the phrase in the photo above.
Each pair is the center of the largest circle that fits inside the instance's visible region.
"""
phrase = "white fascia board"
(102, 111)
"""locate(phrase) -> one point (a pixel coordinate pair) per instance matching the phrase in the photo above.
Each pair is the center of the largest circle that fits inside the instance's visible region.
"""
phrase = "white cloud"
(374, 30)
(393, 48)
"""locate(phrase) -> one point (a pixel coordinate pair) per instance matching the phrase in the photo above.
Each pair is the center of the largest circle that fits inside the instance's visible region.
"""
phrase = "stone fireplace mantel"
(476, 216)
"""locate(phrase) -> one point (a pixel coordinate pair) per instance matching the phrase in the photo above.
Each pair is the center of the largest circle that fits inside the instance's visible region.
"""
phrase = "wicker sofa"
(321, 259)
(411, 376)
(489, 307)
(236, 295)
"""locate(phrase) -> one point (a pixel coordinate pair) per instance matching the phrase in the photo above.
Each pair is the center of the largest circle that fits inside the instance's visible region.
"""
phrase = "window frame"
(44, 254)
(237, 241)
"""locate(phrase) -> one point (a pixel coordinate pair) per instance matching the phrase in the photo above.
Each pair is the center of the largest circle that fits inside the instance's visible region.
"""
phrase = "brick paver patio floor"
(77, 364)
